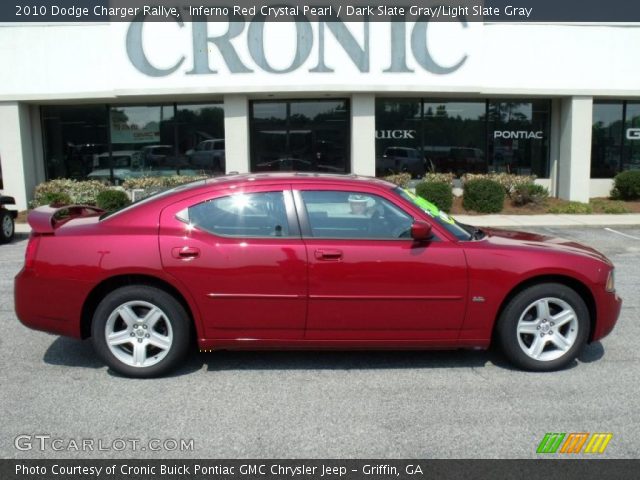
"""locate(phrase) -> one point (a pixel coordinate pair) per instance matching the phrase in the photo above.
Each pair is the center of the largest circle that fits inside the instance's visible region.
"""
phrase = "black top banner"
(581, 11)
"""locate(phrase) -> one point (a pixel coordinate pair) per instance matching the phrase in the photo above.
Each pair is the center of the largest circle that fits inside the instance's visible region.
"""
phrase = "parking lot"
(468, 404)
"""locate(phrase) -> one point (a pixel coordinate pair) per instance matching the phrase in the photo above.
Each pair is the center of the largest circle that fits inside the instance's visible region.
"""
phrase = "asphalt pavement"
(442, 404)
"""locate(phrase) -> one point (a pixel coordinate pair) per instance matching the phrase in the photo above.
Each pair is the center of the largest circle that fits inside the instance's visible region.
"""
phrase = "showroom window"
(454, 137)
(462, 136)
(607, 138)
(399, 136)
(301, 135)
(113, 143)
(615, 138)
(518, 136)
(74, 139)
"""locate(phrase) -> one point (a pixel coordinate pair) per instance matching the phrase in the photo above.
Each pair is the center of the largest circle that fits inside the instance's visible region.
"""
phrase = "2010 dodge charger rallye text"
(287, 260)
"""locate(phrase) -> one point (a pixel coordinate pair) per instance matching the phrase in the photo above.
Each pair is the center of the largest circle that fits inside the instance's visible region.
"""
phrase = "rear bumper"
(38, 305)
(608, 311)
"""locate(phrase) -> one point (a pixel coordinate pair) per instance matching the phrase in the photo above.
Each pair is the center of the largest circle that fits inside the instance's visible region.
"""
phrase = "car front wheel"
(141, 331)
(544, 327)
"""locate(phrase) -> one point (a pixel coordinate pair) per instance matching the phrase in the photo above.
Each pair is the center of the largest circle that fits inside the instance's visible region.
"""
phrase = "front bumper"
(608, 309)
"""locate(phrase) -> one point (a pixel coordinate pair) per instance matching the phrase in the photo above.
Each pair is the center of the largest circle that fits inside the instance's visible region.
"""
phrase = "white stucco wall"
(91, 61)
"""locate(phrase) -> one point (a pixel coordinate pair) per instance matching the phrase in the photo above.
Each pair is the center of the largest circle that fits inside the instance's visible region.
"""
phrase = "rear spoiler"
(46, 219)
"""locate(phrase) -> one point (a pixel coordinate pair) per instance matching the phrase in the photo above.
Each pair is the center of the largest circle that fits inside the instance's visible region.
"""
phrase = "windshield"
(460, 231)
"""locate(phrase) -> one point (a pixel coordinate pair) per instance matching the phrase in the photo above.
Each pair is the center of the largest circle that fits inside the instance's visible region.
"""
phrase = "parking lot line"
(620, 233)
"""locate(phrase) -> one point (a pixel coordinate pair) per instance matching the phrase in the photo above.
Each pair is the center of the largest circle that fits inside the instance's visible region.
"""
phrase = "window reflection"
(120, 142)
(309, 135)
(518, 140)
(462, 136)
(606, 139)
(454, 137)
(74, 138)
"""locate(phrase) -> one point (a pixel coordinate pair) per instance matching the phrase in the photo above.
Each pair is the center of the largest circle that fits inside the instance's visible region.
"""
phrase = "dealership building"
(119, 99)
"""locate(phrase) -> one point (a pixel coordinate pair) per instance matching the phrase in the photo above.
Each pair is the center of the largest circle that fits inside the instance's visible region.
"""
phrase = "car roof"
(246, 179)
(297, 177)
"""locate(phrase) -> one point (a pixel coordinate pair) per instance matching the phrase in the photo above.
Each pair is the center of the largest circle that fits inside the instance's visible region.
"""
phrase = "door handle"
(185, 253)
(328, 254)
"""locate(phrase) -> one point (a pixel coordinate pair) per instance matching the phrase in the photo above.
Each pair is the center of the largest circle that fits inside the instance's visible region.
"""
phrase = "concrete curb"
(550, 220)
(518, 221)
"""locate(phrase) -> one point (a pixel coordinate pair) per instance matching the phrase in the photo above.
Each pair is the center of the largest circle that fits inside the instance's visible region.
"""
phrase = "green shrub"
(571, 207)
(626, 185)
(508, 181)
(111, 200)
(483, 195)
(81, 193)
(400, 179)
(529, 193)
(56, 199)
(438, 193)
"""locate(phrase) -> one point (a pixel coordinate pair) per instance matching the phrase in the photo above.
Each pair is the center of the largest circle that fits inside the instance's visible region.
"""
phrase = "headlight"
(611, 284)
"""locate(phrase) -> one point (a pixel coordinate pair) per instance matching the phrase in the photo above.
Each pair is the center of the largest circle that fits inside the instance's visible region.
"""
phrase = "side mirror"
(421, 231)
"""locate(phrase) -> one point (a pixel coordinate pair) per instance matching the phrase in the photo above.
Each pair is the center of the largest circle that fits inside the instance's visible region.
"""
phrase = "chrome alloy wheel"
(138, 333)
(7, 226)
(547, 329)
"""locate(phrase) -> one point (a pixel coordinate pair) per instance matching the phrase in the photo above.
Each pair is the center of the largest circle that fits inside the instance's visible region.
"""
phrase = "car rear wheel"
(7, 226)
(141, 331)
(544, 327)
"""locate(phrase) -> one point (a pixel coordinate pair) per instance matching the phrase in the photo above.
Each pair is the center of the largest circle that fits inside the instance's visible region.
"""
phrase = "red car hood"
(535, 241)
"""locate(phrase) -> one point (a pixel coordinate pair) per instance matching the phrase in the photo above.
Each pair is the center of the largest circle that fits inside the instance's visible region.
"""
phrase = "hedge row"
(65, 191)
(482, 193)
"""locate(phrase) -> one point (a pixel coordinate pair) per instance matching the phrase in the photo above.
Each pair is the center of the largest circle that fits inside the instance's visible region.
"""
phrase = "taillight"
(32, 250)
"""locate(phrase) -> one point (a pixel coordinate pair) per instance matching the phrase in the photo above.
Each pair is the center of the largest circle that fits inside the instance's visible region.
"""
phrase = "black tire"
(561, 342)
(137, 301)
(7, 226)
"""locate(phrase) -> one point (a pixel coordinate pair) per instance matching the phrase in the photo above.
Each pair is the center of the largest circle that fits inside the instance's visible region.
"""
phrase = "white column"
(363, 134)
(574, 167)
(19, 172)
(236, 133)
(554, 146)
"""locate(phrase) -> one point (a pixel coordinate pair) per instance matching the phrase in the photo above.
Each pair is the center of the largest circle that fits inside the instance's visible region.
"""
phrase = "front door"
(368, 280)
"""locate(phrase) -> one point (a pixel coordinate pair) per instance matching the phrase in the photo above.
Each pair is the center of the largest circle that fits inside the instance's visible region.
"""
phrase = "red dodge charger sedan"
(305, 261)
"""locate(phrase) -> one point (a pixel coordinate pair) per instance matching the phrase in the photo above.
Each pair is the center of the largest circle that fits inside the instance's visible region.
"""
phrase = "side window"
(242, 215)
(354, 215)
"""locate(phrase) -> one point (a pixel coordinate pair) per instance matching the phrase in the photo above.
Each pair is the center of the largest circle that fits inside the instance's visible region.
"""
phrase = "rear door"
(241, 256)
